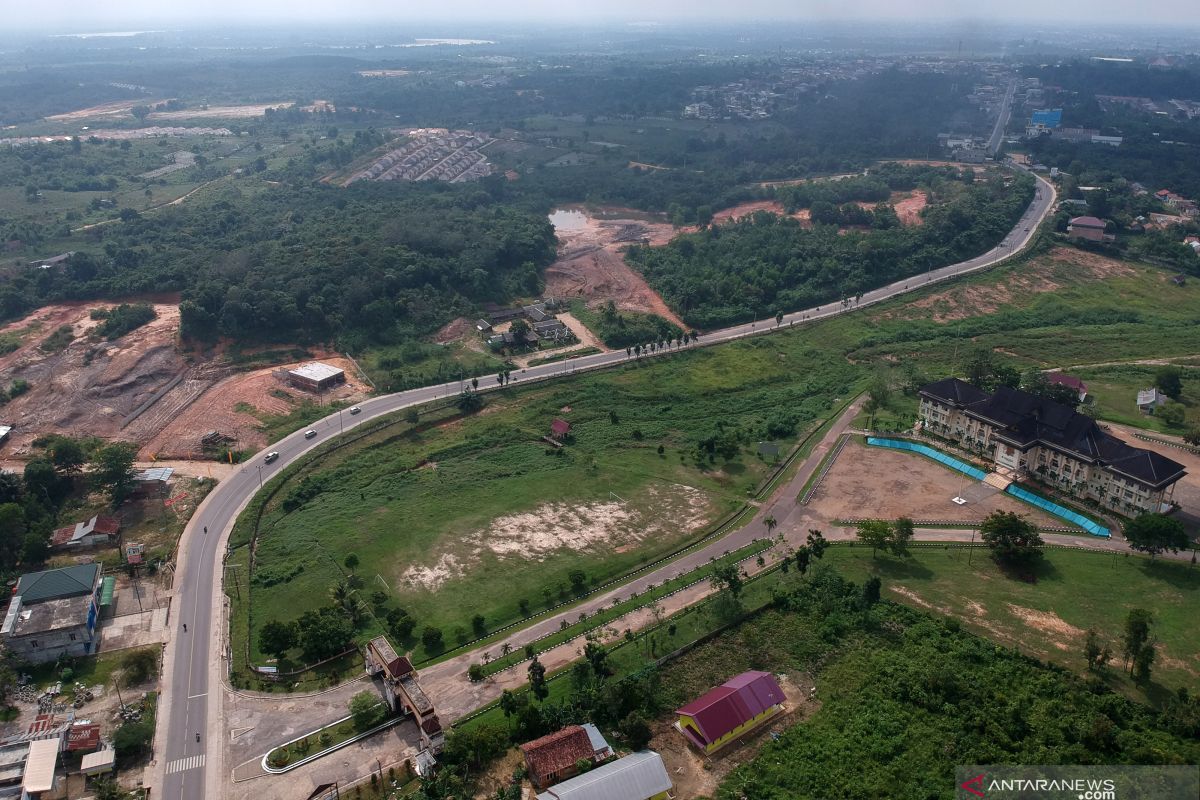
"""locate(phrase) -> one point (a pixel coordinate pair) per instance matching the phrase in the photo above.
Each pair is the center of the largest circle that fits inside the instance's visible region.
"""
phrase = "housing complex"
(1030, 436)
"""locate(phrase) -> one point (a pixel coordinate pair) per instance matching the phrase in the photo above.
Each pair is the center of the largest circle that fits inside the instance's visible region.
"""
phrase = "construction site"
(142, 387)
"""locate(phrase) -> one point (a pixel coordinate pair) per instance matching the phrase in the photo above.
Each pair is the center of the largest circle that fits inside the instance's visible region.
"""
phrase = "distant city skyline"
(77, 16)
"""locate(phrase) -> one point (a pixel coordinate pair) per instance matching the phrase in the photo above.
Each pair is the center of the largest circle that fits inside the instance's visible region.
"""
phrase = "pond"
(568, 219)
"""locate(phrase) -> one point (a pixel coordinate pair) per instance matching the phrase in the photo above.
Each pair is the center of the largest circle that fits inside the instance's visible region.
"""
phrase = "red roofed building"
(552, 758)
(96, 531)
(1071, 382)
(559, 429)
(732, 709)
(1089, 228)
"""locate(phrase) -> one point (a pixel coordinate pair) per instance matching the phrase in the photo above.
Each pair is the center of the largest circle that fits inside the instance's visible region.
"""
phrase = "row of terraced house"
(1029, 436)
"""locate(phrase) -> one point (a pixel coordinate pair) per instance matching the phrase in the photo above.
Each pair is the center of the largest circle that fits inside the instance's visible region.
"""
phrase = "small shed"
(99, 762)
(559, 429)
(1178, 280)
(99, 530)
(1150, 399)
(483, 326)
(553, 757)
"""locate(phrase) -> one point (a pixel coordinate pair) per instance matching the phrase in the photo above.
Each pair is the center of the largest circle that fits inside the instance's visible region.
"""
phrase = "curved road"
(188, 766)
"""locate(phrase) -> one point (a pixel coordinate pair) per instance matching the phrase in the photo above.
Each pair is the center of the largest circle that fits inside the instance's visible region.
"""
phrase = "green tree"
(595, 655)
(727, 578)
(578, 579)
(1096, 655)
(1142, 662)
(1192, 436)
(1011, 538)
(324, 633)
(870, 591)
(113, 472)
(432, 639)
(902, 533)
(351, 562)
(473, 746)
(817, 543)
(1136, 635)
(876, 534)
(635, 731)
(1171, 413)
(139, 666)
(12, 534)
(66, 454)
(537, 679)
(277, 638)
(1169, 380)
(132, 742)
(479, 625)
(803, 559)
(1154, 533)
(366, 710)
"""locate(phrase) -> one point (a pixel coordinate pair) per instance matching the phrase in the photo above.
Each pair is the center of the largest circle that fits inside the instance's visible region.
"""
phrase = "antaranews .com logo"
(1077, 782)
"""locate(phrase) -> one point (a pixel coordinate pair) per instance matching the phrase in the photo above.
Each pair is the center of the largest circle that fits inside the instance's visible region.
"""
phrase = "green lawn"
(439, 516)
(1074, 591)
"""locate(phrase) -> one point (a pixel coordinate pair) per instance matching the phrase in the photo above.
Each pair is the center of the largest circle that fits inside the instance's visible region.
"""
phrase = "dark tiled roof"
(55, 584)
(1026, 419)
(954, 391)
(1087, 222)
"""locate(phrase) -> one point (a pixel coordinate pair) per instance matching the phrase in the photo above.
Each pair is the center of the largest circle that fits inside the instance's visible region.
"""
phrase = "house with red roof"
(729, 711)
(559, 429)
(555, 757)
(1089, 228)
(1071, 382)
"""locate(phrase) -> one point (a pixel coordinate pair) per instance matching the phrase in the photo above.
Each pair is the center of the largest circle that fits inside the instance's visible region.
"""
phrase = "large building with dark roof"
(53, 614)
(1027, 435)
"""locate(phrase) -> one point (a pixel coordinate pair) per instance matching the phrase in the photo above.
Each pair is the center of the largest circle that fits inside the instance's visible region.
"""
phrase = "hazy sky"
(77, 15)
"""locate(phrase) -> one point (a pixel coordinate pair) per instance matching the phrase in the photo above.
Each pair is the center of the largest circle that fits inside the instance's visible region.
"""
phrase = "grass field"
(1074, 591)
(1114, 391)
(466, 516)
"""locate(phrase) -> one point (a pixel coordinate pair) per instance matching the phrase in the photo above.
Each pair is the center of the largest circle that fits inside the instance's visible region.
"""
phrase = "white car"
(355, 410)
(271, 456)
(308, 434)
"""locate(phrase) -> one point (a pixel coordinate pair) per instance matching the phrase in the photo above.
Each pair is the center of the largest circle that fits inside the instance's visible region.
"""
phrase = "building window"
(33, 643)
(72, 637)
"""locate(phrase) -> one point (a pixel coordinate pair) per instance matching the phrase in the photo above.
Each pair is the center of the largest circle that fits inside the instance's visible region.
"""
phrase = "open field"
(113, 109)
(463, 509)
(220, 112)
(874, 483)
(1074, 591)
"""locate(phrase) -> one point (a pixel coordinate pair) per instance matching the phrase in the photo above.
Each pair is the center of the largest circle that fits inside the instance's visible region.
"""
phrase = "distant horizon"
(76, 17)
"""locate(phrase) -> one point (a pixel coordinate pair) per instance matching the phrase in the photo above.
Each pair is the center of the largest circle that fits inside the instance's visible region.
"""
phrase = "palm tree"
(770, 522)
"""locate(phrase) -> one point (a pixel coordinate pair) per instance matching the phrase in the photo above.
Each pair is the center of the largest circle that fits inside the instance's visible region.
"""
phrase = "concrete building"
(53, 613)
(1089, 228)
(640, 776)
(1030, 437)
(730, 710)
(316, 377)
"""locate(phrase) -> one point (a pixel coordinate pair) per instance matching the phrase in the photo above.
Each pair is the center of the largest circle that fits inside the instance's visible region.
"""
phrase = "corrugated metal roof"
(99, 760)
(39, 767)
(156, 474)
(734, 702)
(54, 584)
(107, 587)
(635, 777)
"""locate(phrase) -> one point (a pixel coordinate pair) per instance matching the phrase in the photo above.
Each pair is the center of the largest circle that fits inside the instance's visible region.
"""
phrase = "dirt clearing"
(741, 210)
(230, 112)
(590, 264)
(553, 527)
(1048, 623)
(85, 387)
(871, 482)
(230, 405)
(113, 109)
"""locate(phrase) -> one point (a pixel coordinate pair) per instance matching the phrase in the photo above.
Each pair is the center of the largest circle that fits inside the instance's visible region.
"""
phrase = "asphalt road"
(997, 138)
(189, 724)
